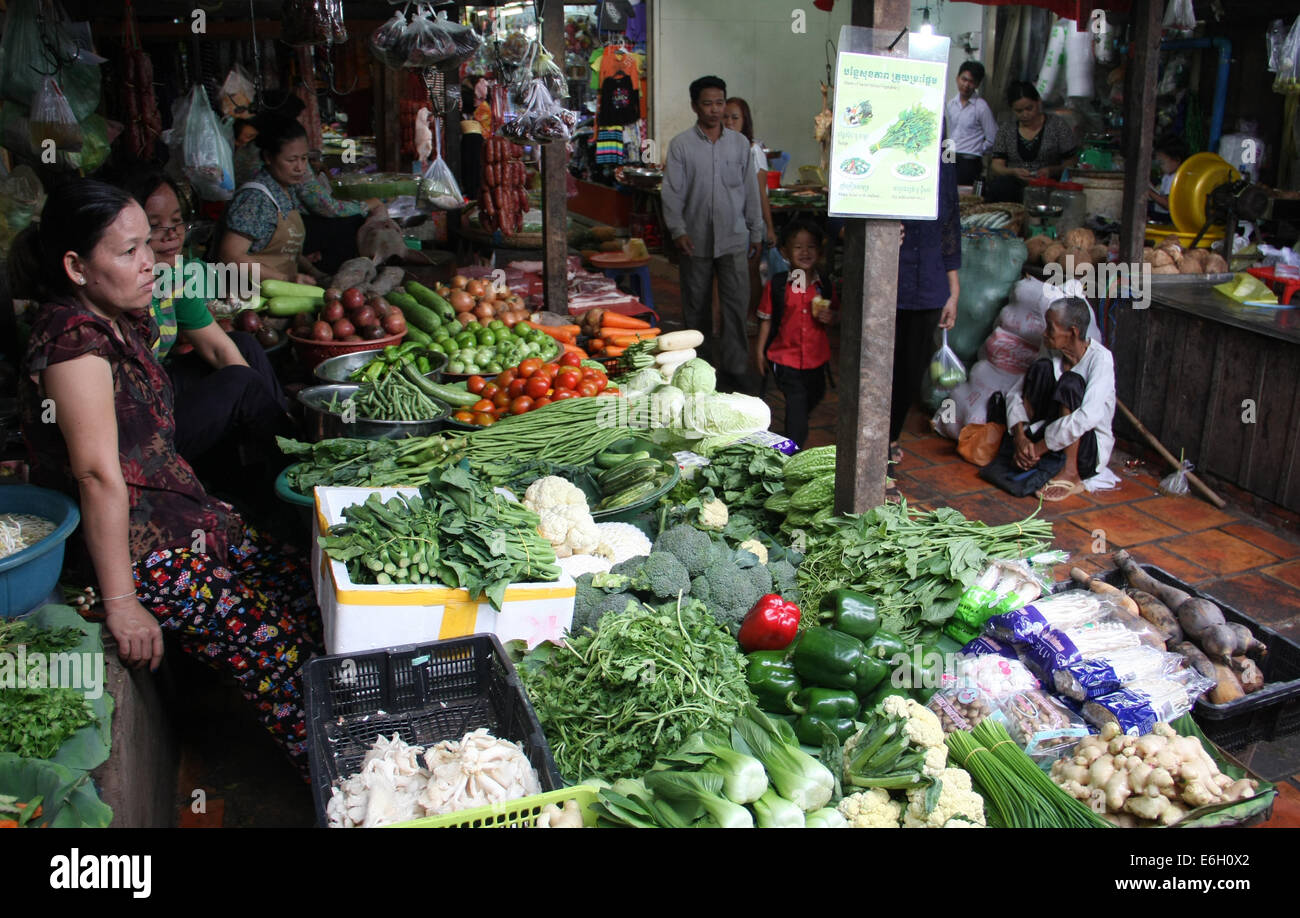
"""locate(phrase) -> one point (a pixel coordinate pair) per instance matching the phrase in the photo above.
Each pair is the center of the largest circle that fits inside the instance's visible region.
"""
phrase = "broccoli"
(688, 545)
(658, 573)
(728, 590)
(591, 603)
(784, 579)
(761, 578)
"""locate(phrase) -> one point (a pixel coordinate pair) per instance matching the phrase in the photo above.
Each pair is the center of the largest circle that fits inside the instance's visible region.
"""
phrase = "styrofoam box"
(371, 616)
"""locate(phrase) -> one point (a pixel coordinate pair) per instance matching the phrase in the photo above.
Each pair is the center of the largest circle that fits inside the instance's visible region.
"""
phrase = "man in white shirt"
(1066, 402)
(970, 123)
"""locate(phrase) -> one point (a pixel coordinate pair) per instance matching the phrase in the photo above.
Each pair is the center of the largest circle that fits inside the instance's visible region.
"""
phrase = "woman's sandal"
(895, 454)
(1058, 489)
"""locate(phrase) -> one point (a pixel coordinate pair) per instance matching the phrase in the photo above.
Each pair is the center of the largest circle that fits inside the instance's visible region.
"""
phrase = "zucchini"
(452, 395)
(629, 496)
(418, 316)
(282, 306)
(418, 335)
(272, 288)
(679, 340)
(629, 473)
(614, 460)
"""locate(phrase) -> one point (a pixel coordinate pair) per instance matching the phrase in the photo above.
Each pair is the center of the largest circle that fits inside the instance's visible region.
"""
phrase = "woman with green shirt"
(225, 387)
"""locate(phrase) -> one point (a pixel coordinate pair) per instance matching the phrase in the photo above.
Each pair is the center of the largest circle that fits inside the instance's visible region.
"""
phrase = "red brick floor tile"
(1281, 545)
(1074, 539)
(911, 460)
(951, 478)
(1286, 808)
(1219, 552)
(916, 491)
(1129, 489)
(213, 816)
(987, 507)
(1054, 509)
(1167, 561)
(1123, 525)
(1190, 514)
(1289, 572)
(821, 436)
(1262, 598)
(935, 449)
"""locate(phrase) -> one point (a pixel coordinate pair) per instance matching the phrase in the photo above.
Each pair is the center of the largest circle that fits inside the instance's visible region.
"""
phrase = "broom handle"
(1199, 485)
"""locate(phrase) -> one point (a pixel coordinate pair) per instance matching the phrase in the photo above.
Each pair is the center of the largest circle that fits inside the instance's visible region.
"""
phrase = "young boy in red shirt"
(800, 306)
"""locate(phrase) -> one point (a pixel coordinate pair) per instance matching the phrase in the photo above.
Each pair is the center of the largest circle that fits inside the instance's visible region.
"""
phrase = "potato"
(1080, 238)
(1053, 253)
(1037, 246)
(1174, 249)
(1160, 258)
(1215, 264)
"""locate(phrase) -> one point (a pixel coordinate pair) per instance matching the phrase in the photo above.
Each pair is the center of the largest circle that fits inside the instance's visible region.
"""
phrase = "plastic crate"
(425, 693)
(1271, 713)
(516, 814)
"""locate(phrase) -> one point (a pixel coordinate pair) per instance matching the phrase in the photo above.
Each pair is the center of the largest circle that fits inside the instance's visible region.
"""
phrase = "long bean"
(571, 432)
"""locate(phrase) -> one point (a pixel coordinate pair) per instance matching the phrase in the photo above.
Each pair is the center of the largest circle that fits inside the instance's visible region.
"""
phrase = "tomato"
(568, 378)
(516, 388)
(465, 417)
(521, 405)
(537, 387)
(570, 359)
(482, 404)
(506, 378)
(489, 390)
(475, 384)
(601, 382)
(529, 367)
(587, 390)
(501, 400)
(562, 394)
(483, 419)
(541, 402)
(551, 368)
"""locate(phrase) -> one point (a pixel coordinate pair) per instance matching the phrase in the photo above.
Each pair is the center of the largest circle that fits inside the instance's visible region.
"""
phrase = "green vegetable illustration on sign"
(858, 115)
(912, 132)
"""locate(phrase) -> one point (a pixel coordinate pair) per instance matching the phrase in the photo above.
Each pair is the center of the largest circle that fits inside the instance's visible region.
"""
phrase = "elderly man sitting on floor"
(1065, 402)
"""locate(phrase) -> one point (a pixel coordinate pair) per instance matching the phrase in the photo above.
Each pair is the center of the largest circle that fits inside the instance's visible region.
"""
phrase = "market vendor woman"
(264, 222)
(97, 418)
(1034, 145)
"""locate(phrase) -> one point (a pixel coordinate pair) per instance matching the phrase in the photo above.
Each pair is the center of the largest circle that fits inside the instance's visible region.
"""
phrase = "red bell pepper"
(771, 625)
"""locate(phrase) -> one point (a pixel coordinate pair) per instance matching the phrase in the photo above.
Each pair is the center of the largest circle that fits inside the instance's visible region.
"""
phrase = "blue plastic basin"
(27, 577)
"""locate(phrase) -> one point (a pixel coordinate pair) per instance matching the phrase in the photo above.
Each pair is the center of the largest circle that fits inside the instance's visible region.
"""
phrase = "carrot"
(8, 823)
(565, 334)
(574, 349)
(613, 351)
(623, 338)
(617, 320)
(596, 344)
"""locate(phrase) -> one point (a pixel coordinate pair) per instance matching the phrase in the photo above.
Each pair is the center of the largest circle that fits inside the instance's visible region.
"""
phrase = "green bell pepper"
(772, 679)
(811, 730)
(825, 703)
(877, 695)
(871, 672)
(828, 658)
(885, 645)
(850, 612)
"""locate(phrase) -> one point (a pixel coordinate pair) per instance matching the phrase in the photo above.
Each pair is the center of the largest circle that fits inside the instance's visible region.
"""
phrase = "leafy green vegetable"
(914, 130)
(611, 702)
(696, 377)
(34, 723)
(703, 788)
(743, 476)
(347, 462)
(796, 775)
(915, 565)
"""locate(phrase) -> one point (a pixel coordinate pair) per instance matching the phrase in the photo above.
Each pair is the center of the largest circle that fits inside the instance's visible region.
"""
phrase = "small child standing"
(793, 313)
(1169, 155)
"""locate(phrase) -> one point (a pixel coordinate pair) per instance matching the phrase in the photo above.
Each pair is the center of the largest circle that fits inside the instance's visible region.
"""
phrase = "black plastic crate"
(425, 693)
(1271, 713)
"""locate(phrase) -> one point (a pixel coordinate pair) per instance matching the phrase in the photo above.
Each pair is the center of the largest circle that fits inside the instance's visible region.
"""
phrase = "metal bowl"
(338, 369)
(323, 424)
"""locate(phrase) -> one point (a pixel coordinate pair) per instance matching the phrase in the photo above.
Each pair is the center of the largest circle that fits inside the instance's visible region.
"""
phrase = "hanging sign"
(886, 134)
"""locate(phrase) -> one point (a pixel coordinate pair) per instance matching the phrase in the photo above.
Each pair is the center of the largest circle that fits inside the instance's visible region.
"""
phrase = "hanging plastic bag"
(426, 42)
(946, 369)
(27, 49)
(386, 41)
(1288, 64)
(1175, 484)
(52, 119)
(1180, 17)
(1273, 40)
(543, 120)
(21, 199)
(237, 93)
(438, 188)
(206, 155)
(312, 22)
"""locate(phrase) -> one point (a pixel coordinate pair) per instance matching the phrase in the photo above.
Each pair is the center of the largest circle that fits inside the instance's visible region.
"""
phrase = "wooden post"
(1139, 124)
(555, 169)
(867, 330)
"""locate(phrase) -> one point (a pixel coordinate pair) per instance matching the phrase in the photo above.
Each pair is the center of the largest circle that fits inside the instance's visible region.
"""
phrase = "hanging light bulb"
(926, 28)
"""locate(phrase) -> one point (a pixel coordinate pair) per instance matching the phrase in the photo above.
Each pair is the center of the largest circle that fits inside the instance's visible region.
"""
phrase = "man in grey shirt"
(712, 211)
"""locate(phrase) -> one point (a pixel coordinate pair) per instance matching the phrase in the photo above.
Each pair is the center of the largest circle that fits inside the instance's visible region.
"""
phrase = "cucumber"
(452, 395)
(630, 496)
(613, 460)
(431, 300)
(628, 473)
(418, 335)
(419, 316)
(273, 288)
(282, 306)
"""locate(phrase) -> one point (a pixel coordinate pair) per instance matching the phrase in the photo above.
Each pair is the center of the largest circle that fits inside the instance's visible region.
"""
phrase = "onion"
(464, 318)
(459, 281)
(461, 301)
(475, 288)
(484, 311)
(510, 318)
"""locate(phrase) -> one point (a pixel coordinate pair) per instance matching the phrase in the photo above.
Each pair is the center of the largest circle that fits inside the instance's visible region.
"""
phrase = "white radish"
(679, 340)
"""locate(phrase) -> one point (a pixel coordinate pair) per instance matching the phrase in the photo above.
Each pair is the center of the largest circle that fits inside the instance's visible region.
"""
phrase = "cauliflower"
(565, 522)
(756, 548)
(936, 759)
(871, 809)
(957, 803)
(570, 529)
(923, 727)
(621, 541)
(713, 514)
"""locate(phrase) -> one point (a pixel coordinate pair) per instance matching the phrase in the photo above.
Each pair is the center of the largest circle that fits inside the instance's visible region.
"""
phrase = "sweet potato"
(1217, 640)
(1139, 579)
(1102, 588)
(1158, 614)
(387, 279)
(1248, 674)
(1247, 643)
(1195, 659)
(355, 272)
